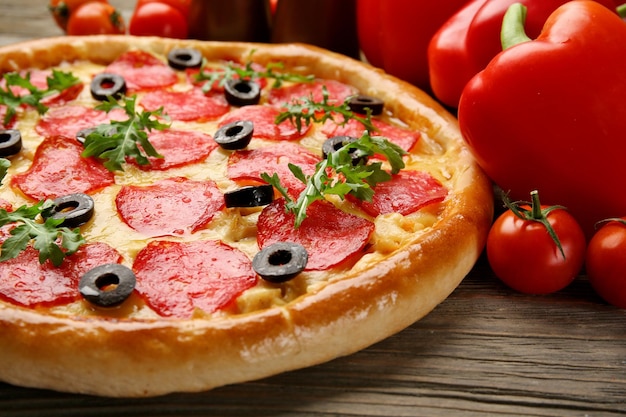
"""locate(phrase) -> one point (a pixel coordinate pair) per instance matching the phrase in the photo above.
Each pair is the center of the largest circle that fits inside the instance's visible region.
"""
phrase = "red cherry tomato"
(95, 18)
(523, 254)
(606, 262)
(158, 19)
(62, 9)
(181, 5)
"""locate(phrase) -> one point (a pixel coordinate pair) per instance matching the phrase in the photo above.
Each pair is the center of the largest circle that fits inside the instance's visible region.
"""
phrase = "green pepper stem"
(513, 32)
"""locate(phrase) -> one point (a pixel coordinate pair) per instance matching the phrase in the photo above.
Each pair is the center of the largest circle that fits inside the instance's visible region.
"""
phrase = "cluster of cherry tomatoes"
(167, 18)
(537, 249)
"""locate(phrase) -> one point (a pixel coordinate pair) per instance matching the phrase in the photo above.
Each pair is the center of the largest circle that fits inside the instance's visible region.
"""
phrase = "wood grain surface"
(484, 351)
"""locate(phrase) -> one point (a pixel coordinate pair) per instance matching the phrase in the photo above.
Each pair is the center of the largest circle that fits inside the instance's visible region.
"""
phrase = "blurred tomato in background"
(394, 34)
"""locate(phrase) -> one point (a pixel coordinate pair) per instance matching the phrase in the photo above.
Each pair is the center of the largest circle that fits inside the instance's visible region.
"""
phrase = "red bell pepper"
(394, 34)
(549, 114)
(467, 41)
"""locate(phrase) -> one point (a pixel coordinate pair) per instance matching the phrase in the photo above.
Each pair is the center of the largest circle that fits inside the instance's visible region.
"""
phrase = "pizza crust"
(153, 357)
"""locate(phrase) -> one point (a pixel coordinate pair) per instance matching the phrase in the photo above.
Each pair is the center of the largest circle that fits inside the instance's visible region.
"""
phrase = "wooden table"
(484, 351)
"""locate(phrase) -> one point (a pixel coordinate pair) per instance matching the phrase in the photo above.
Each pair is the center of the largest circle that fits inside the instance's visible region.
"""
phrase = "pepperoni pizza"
(180, 215)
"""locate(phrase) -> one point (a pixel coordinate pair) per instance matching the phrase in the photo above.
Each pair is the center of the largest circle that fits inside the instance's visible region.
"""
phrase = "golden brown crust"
(143, 358)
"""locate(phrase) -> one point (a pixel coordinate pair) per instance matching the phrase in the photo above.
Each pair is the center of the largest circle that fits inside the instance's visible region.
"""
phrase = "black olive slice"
(335, 143)
(107, 285)
(107, 85)
(183, 58)
(235, 135)
(359, 104)
(10, 142)
(251, 196)
(82, 134)
(75, 209)
(242, 92)
(280, 262)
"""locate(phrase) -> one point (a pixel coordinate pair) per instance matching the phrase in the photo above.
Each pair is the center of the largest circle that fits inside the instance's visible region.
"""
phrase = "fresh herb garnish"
(117, 140)
(309, 111)
(56, 83)
(4, 167)
(52, 241)
(337, 174)
(231, 71)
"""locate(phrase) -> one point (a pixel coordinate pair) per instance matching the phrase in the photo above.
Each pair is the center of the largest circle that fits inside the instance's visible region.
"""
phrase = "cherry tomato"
(181, 5)
(95, 18)
(62, 9)
(158, 19)
(524, 255)
(606, 262)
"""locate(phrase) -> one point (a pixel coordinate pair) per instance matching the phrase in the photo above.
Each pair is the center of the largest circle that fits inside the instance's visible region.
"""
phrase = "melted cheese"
(235, 227)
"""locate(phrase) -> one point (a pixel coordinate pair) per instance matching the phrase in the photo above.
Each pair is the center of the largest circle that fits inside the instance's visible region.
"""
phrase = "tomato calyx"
(536, 213)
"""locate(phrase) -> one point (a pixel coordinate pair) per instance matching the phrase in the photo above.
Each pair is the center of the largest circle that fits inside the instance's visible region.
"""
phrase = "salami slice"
(170, 207)
(248, 165)
(192, 105)
(59, 169)
(264, 119)
(407, 192)
(175, 278)
(178, 148)
(142, 71)
(329, 235)
(68, 120)
(337, 92)
(23, 280)
(404, 138)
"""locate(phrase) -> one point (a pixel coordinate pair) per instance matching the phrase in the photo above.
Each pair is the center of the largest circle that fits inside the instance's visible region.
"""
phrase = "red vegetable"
(465, 43)
(158, 19)
(606, 262)
(95, 18)
(537, 249)
(549, 114)
(394, 34)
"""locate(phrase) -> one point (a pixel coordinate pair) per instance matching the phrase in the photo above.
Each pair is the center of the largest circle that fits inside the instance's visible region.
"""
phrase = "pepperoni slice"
(23, 280)
(186, 106)
(264, 119)
(337, 92)
(59, 169)
(248, 165)
(172, 206)
(407, 192)
(330, 235)
(142, 71)
(175, 278)
(404, 138)
(178, 148)
(68, 120)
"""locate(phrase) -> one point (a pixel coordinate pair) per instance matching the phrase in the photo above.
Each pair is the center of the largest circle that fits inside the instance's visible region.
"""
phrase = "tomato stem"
(537, 213)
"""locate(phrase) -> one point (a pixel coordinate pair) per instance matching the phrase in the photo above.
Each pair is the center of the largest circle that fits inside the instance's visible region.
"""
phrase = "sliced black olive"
(235, 135)
(183, 58)
(107, 85)
(280, 261)
(107, 285)
(335, 143)
(82, 134)
(75, 209)
(242, 92)
(251, 196)
(359, 104)
(10, 142)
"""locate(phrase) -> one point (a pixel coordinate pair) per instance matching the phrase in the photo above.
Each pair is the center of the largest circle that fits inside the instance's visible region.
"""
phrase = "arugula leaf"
(337, 174)
(117, 140)
(56, 83)
(309, 111)
(52, 241)
(230, 71)
(4, 166)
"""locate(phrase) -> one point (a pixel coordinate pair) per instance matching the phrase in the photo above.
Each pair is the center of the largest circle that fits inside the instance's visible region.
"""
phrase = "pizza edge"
(147, 358)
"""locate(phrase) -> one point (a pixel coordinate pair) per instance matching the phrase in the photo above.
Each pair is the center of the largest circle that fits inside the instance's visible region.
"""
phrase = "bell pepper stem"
(512, 32)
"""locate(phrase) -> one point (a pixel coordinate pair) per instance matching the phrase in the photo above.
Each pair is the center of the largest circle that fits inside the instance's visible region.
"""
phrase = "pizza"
(179, 215)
